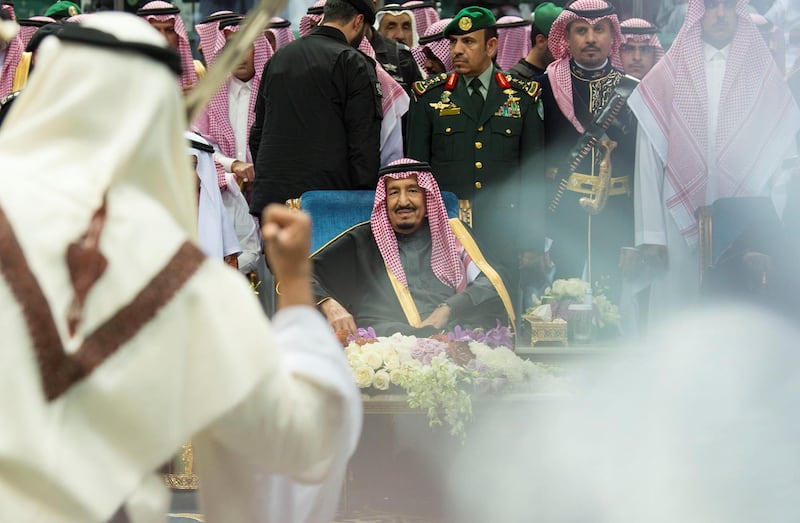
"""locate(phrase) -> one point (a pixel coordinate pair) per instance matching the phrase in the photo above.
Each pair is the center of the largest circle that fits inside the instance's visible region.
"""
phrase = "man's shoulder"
(359, 232)
(433, 84)
(522, 70)
(509, 82)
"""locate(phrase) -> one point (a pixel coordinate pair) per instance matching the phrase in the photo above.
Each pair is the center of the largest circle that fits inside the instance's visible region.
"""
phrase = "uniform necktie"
(477, 99)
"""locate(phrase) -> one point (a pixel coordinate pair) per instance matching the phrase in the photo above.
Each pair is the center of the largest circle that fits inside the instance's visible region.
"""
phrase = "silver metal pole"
(638, 8)
(119, 5)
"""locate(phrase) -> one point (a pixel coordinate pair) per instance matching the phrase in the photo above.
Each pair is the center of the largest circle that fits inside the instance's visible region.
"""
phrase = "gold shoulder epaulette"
(423, 85)
(529, 86)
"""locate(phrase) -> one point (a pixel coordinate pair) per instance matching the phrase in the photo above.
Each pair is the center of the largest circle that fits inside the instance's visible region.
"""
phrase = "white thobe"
(245, 226)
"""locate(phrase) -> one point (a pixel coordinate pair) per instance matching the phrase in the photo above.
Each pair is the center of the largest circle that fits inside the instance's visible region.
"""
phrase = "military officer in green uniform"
(481, 132)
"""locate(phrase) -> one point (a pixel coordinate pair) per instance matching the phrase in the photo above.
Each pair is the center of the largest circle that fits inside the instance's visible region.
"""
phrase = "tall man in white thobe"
(715, 120)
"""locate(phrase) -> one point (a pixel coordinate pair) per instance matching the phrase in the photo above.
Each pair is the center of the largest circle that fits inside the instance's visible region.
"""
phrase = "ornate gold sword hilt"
(594, 204)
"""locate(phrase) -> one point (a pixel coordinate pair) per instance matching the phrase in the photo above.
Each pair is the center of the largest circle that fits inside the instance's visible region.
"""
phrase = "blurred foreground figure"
(698, 427)
(117, 330)
(700, 139)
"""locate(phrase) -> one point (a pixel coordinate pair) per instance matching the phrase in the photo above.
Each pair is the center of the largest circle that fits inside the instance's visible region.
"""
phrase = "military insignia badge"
(72, 11)
(465, 24)
(510, 109)
(445, 106)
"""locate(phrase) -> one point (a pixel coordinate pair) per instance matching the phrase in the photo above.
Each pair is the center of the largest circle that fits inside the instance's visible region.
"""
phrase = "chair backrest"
(731, 220)
(333, 212)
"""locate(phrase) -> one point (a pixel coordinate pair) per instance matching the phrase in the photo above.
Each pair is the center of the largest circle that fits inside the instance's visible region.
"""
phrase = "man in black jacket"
(318, 112)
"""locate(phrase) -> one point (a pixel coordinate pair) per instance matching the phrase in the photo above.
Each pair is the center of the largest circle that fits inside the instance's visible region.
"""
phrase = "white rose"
(576, 288)
(373, 359)
(363, 376)
(381, 380)
(355, 360)
(559, 288)
(392, 361)
(396, 376)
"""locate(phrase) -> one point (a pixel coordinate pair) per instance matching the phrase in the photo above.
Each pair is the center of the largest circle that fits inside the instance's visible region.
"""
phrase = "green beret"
(63, 9)
(468, 20)
(544, 15)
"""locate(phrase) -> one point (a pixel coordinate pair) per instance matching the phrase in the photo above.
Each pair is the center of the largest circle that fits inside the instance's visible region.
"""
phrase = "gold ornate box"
(547, 331)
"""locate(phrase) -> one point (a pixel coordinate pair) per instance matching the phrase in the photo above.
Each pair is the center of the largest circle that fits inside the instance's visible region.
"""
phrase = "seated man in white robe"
(117, 328)
(409, 269)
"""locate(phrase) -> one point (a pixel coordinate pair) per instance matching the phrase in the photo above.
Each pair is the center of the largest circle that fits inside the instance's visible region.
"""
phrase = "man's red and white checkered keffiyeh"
(650, 39)
(26, 31)
(211, 38)
(189, 76)
(440, 47)
(283, 35)
(310, 21)
(391, 91)
(513, 43)
(449, 260)
(424, 14)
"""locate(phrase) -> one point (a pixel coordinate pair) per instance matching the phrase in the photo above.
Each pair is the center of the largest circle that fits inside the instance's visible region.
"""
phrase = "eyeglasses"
(711, 4)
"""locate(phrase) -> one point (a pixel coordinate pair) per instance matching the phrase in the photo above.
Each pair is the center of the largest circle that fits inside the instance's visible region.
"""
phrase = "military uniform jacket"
(318, 120)
(492, 159)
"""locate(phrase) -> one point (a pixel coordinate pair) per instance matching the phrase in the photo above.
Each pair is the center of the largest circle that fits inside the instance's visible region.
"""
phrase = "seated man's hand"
(337, 316)
(438, 318)
(243, 171)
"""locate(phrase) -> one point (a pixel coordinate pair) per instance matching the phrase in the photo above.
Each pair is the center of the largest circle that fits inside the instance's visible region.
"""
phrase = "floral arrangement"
(563, 293)
(440, 374)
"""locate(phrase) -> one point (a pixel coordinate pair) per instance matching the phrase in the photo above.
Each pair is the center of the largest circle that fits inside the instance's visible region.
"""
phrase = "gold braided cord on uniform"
(21, 74)
(405, 299)
(474, 252)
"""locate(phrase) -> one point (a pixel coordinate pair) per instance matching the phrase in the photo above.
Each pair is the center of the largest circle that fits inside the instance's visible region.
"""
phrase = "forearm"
(289, 423)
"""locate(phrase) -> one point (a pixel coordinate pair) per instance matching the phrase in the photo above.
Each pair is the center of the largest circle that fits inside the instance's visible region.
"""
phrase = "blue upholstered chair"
(333, 212)
(729, 221)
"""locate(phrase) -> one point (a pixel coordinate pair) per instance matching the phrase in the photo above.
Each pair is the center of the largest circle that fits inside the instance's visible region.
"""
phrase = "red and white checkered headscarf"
(215, 124)
(78, 18)
(757, 117)
(391, 91)
(558, 72)
(449, 260)
(26, 31)
(310, 20)
(439, 47)
(513, 42)
(283, 35)
(13, 54)
(424, 14)
(188, 77)
(211, 38)
(9, 7)
(650, 38)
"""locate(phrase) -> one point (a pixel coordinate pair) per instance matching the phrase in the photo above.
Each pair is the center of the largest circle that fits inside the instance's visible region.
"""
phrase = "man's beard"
(357, 41)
